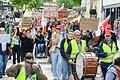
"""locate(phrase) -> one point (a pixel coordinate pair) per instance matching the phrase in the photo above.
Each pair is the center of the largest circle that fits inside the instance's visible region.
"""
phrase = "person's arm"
(101, 53)
(21, 36)
(90, 36)
(68, 52)
(13, 71)
(62, 48)
(37, 69)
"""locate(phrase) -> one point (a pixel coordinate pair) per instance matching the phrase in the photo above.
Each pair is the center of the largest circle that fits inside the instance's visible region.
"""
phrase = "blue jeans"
(104, 67)
(56, 64)
(66, 70)
(40, 47)
(3, 62)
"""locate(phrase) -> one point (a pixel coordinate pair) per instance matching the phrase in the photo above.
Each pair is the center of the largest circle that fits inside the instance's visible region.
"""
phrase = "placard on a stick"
(88, 24)
(26, 22)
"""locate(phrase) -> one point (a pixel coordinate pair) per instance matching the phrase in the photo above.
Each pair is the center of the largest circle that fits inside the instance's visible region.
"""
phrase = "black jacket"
(26, 44)
(40, 39)
(87, 38)
(62, 51)
(101, 53)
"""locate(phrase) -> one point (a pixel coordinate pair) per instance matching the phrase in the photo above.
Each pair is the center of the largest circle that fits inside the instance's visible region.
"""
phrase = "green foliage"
(69, 3)
(47, 0)
(30, 3)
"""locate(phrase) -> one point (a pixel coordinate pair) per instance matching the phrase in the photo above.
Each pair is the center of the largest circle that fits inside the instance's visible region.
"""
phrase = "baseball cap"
(29, 55)
(107, 33)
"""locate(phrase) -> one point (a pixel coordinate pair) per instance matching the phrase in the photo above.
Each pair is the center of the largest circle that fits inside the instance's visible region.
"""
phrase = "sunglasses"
(29, 58)
(57, 28)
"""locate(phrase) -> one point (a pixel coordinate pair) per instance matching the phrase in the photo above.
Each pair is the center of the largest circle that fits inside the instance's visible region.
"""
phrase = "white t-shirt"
(3, 46)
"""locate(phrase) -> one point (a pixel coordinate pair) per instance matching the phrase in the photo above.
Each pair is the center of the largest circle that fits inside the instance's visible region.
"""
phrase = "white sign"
(4, 38)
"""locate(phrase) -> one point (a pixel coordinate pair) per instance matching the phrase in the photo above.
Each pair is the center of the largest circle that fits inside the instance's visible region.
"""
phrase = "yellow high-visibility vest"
(75, 49)
(65, 45)
(22, 75)
(111, 51)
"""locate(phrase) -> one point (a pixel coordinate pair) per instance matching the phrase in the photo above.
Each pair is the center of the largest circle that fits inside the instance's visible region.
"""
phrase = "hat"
(39, 31)
(108, 26)
(76, 21)
(29, 55)
(107, 32)
(58, 27)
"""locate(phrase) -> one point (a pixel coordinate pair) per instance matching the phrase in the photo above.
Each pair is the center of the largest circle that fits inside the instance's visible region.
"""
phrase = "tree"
(27, 3)
(35, 4)
(48, 0)
(69, 3)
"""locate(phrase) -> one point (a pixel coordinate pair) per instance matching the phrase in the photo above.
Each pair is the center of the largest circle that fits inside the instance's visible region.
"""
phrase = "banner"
(4, 38)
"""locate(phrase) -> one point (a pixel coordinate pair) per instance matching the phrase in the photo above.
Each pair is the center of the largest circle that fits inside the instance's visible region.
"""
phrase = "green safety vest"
(65, 45)
(22, 75)
(12, 43)
(75, 48)
(107, 49)
(10, 30)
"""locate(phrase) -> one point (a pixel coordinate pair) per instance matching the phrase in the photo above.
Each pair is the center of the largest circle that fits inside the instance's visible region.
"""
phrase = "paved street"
(46, 67)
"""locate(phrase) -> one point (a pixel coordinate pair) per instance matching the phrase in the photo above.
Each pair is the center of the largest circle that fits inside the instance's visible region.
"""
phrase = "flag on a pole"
(105, 23)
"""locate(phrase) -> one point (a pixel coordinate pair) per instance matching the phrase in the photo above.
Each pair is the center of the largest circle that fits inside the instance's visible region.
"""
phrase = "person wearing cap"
(113, 71)
(76, 25)
(55, 54)
(75, 47)
(106, 52)
(66, 70)
(27, 70)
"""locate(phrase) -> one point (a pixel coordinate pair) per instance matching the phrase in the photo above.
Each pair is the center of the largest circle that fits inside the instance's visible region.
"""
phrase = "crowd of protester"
(60, 41)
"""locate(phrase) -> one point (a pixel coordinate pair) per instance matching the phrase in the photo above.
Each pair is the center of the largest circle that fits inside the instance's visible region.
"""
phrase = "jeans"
(3, 62)
(40, 47)
(56, 64)
(104, 67)
(16, 51)
(66, 70)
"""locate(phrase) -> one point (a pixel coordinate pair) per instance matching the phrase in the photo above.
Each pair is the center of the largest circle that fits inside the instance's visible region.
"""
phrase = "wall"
(109, 2)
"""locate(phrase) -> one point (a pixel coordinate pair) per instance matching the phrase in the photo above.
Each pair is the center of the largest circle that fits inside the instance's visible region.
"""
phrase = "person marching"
(15, 42)
(106, 52)
(75, 47)
(55, 54)
(3, 54)
(63, 47)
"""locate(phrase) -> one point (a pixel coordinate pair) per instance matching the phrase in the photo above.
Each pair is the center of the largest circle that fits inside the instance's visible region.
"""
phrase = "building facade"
(111, 7)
